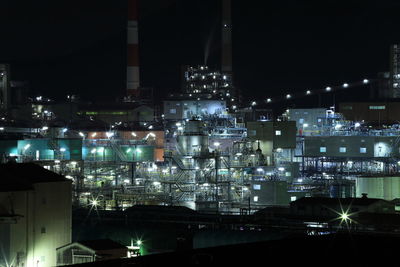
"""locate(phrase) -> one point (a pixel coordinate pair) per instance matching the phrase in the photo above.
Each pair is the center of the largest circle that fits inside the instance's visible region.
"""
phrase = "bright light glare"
(344, 216)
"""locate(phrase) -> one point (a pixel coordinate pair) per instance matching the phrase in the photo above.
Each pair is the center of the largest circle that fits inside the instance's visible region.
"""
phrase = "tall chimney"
(226, 60)
(132, 76)
(5, 94)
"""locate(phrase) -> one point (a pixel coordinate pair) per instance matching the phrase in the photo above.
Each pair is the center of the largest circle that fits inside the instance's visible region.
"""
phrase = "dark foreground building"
(341, 249)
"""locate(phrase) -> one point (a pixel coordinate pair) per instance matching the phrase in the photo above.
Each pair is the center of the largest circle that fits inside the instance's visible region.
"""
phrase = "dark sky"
(71, 46)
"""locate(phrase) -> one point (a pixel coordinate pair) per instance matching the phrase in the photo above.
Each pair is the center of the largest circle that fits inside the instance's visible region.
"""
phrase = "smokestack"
(132, 76)
(5, 94)
(226, 60)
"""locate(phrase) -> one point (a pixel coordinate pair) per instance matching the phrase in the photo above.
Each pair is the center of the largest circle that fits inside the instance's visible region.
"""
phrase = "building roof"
(364, 201)
(101, 244)
(339, 249)
(22, 176)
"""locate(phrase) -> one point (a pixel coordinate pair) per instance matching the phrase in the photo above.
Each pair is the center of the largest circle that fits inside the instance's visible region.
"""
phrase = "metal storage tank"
(193, 140)
(384, 187)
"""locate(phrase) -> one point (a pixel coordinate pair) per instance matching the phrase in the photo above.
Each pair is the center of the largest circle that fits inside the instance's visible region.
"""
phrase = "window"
(293, 198)
(172, 111)
(342, 149)
(256, 187)
(377, 107)
(288, 174)
(255, 198)
(322, 149)
(43, 230)
(278, 132)
(301, 120)
(363, 150)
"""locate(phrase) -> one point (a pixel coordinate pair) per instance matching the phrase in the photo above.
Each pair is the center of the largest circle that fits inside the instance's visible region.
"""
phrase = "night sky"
(71, 46)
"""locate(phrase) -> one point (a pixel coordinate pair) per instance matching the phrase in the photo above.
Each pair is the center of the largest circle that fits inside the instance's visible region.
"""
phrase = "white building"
(35, 215)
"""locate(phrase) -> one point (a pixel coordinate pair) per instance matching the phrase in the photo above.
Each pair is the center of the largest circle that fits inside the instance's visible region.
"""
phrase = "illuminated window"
(322, 149)
(363, 150)
(172, 111)
(278, 132)
(293, 198)
(377, 107)
(301, 120)
(256, 186)
(255, 198)
(342, 149)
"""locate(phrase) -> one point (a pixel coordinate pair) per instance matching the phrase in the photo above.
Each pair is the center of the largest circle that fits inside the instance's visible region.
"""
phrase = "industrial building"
(35, 214)
(203, 158)
(203, 148)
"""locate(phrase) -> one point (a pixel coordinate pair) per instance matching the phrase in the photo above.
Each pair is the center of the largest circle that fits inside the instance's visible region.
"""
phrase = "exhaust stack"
(132, 77)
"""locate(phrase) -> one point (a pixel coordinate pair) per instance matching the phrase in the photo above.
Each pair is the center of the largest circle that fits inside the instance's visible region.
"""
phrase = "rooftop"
(22, 176)
(364, 201)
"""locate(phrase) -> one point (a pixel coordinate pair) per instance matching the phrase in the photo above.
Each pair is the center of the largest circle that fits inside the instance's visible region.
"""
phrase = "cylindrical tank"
(193, 140)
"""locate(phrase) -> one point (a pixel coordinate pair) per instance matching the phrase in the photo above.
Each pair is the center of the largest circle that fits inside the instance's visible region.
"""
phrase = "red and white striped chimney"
(132, 75)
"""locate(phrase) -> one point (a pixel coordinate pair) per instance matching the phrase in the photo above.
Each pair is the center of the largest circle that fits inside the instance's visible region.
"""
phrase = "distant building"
(395, 71)
(122, 112)
(35, 214)
(89, 251)
(378, 112)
